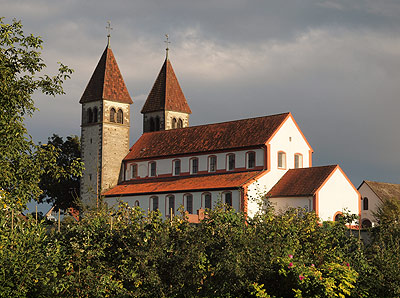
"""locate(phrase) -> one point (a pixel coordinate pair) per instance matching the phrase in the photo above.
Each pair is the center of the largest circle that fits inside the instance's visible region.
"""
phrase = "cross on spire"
(167, 42)
(109, 32)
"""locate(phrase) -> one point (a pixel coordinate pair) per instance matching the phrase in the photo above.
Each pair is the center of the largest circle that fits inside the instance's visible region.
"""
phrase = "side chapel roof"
(384, 190)
(166, 94)
(203, 138)
(182, 184)
(301, 182)
(106, 82)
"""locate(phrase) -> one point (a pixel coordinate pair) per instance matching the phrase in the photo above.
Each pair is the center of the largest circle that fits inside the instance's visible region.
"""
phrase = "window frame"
(365, 204)
(136, 204)
(152, 203)
(284, 163)
(174, 123)
(120, 116)
(228, 161)
(152, 172)
(231, 198)
(168, 203)
(90, 115)
(210, 158)
(204, 197)
(192, 172)
(176, 162)
(248, 154)
(133, 174)
(186, 202)
(300, 160)
(95, 115)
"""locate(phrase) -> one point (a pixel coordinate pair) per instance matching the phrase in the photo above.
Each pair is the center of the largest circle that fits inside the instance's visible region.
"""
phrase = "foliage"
(388, 211)
(60, 181)
(21, 161)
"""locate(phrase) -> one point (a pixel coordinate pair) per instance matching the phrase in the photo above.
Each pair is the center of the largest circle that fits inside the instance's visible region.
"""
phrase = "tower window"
(120, 116)
(281, 160)
(298, 161)
(173, 123)
(251, 160)
(180, 123)
(231, 162)
(112, 115)
(95, 115)
(212, 163)
(90, 115)
(189, 203)
(152, 126)
(194, 163)
(177, 167)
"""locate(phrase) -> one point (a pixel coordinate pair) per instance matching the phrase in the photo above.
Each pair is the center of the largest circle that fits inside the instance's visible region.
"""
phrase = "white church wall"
(165, 165)
(373, 203)
(289, 140)
(337, 195)
(284, 203)
(198, 200)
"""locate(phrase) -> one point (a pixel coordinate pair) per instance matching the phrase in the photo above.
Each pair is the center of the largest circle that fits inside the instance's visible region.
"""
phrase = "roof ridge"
(212, 124)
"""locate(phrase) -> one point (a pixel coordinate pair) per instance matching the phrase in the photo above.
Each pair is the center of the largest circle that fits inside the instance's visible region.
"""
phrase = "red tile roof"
(106, 82)
(179, 184)
(212, 137)
(301, 182)
(166, 94)
(385, 191)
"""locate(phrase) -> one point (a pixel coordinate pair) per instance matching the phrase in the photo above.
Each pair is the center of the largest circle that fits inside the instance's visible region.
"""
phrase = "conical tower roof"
(166, 94)
(106, 82)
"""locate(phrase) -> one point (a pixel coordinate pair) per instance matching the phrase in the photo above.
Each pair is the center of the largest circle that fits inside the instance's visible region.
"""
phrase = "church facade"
(242, 163)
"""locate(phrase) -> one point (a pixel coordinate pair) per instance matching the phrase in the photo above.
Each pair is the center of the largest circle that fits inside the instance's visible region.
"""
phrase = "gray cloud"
(333, 64)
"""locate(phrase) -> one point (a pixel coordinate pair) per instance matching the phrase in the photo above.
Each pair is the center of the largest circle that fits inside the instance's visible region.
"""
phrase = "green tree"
(60, 181)
(21, 67)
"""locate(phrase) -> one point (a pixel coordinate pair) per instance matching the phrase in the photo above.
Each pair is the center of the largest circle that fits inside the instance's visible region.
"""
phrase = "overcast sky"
(334, 64)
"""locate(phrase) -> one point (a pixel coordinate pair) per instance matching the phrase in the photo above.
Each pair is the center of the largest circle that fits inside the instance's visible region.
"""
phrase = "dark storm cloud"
(334, 64)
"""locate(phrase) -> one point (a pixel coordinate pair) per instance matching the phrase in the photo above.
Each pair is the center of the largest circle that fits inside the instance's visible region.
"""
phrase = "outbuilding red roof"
(106, 82)
(212, 137)
(301, 182)
(179, 184)
(166, 94)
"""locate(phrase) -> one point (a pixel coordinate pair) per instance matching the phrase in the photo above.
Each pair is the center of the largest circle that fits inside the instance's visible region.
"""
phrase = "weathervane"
(109, 32)
(167, 43)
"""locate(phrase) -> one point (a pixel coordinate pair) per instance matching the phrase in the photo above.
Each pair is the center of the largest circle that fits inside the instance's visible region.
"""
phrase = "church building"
(241, 163)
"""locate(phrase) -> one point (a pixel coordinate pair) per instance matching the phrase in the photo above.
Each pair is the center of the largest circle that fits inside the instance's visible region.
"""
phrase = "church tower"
(104, 128)
(166, 106)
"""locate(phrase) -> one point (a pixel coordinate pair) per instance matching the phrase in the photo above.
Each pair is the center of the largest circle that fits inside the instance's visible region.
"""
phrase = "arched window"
(157, 124)
(180, 123)
(298, 161)
(152, 124)
(154, 203)
(251, 160)
(194, 165)
(95, 114)
(212, 163)
(338, 216)
(207, 201)
(120, 116)
(137, 203)
(170, 204)
(90, 115)
(365, 203)
(228, 199)
(230, 162)
(177, 167)
(188, 203)
(366, 223)
(173, 123)
(281, 160)
(112, 115)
